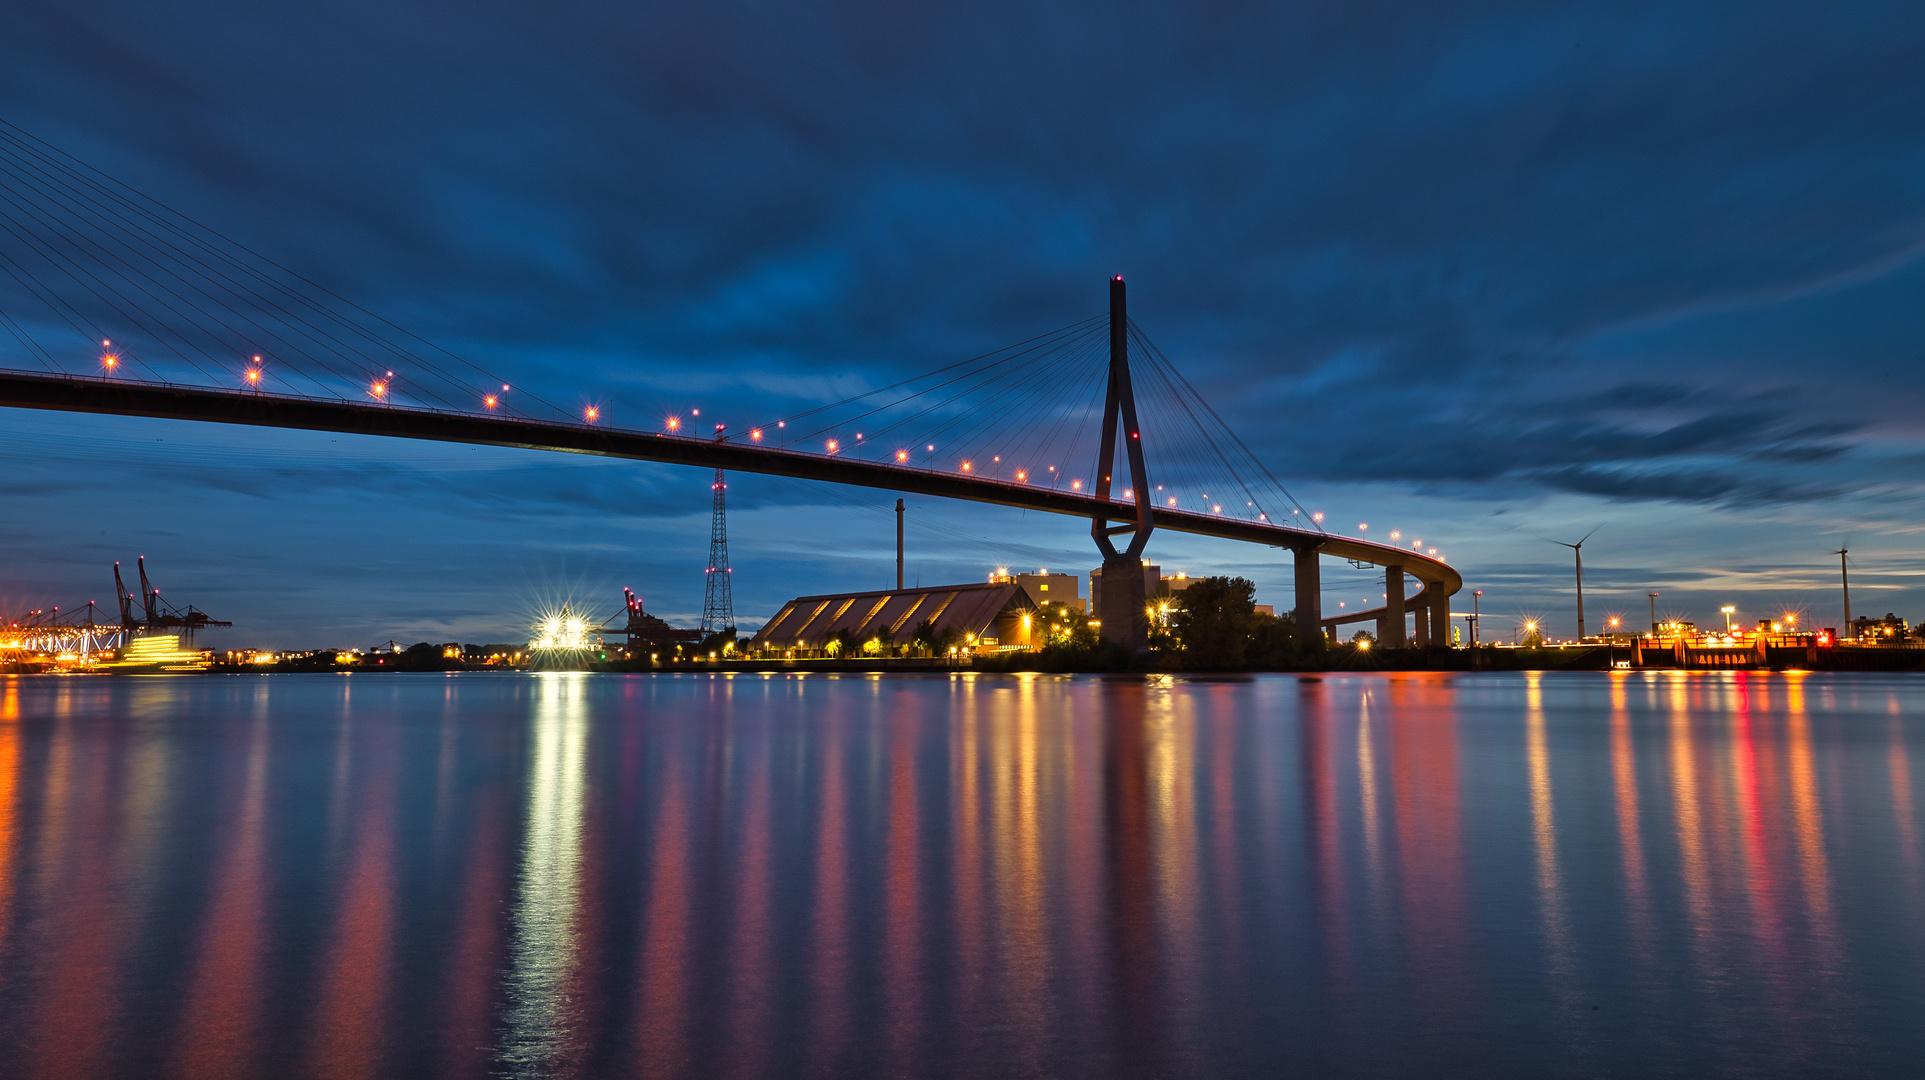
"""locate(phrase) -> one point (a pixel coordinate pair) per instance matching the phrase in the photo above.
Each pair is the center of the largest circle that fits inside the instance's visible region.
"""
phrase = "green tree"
(1213, 620)
(950, 637)
(843, 643)
(1273, 641)
(925, 639)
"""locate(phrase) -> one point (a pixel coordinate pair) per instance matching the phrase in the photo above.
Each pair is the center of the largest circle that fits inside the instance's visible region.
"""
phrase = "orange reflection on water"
(1080, 859)
(971, 927)
(1016, 800)
(1755, 778)
(1550, 883)
(1808, 820)
(83, 923)
(829, 953)
(1688, 812)
(1324, 823)
(475, 951)
(902, 914)
(1367, 795)
(752, 945)
(1131, 918)
(987, 876)
(1905, 813)
(352, 1013)
(1624, 783)
(220, 1029)
(1224, 775)
(662, 1015)
(1172, 721)
(9, 788)
(1425, 795)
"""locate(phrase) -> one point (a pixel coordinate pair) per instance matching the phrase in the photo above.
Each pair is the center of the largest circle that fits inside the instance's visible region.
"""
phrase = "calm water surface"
(1503, 874)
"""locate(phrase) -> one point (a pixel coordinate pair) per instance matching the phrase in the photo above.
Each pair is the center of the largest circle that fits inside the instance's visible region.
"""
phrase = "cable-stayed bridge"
(116, 304)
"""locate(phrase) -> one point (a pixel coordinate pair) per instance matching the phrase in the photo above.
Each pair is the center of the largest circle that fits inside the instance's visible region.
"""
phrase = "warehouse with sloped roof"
(982, 617)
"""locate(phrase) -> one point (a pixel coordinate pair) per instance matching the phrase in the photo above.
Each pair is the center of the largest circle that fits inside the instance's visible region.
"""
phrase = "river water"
(1582, 874)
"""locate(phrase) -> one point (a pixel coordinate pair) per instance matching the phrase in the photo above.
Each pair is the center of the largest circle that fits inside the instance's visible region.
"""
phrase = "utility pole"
(898, 545)
(1844, 577)
(1476, 616)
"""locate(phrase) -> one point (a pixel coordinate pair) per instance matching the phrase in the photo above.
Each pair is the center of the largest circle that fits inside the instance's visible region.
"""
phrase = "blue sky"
(1484, 272)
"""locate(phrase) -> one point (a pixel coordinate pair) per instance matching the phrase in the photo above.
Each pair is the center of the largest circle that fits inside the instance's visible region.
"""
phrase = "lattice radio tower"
(718, 606)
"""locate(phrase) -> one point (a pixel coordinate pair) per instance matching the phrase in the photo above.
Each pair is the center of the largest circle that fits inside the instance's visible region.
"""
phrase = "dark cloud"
(1684, 486)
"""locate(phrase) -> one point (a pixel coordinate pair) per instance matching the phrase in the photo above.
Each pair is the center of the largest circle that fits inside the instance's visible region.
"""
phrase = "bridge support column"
(1309, 594)
(1440, 616)
(1420, 625)
(1392, 636)
(1123, 612)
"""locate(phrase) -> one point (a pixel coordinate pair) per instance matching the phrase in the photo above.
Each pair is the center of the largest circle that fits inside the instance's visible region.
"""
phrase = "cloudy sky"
(1487, 272)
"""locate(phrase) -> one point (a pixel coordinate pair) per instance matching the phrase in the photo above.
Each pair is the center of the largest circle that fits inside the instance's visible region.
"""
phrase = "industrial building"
(977, 617)
(1046, 588)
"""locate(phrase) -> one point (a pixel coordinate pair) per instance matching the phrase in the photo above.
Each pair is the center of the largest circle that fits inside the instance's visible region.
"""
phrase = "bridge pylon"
(1123, 612)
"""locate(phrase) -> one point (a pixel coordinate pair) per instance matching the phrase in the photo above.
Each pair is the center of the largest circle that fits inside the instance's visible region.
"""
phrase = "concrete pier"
(1391, 626)
(1309, 593)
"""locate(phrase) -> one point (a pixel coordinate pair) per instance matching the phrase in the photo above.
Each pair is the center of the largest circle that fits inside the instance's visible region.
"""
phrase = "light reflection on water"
(542, 961)
(1530, 874)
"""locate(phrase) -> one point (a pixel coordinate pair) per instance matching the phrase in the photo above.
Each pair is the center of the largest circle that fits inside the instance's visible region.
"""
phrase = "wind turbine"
(1577, 550)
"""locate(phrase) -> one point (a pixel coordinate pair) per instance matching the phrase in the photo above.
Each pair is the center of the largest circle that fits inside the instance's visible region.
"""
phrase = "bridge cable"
(54, 157)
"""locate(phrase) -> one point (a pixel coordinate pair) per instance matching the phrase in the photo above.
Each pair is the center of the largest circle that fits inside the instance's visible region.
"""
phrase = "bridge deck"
(29, 390)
